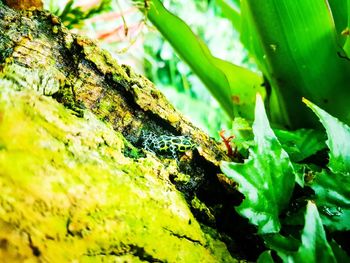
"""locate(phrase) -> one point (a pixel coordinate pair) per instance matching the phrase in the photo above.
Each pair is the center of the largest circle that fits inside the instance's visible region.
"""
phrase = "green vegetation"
(295, 183)
(73, 16)
(292, 43)
(268, 178)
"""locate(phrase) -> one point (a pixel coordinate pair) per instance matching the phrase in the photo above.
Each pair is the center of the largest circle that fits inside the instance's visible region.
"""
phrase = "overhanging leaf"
(338, 139)
(249, 37)
(299, 45)
(266, 179)
(251, 40)
(314, 245)
(234, 87)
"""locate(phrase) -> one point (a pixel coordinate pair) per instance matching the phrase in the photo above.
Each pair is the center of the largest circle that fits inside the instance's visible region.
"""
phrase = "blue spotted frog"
(167, 145)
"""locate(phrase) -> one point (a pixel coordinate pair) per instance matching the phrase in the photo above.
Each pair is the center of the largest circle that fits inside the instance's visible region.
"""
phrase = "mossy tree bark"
(76, 183)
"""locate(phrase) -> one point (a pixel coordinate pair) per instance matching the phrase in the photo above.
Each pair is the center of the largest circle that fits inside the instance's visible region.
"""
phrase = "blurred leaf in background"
(73, 15)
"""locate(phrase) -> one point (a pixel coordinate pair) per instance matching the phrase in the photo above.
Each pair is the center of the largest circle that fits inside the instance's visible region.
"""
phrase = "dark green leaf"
(338, 140)
(340, 16)
(302, 143)
(314, 247)
(266, 178)
(333, 200)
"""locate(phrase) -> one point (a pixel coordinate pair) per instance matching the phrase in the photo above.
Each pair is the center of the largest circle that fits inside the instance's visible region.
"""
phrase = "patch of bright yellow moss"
(68, 193)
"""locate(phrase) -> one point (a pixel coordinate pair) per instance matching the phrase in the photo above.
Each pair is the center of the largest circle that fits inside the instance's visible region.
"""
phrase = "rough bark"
(76, 183)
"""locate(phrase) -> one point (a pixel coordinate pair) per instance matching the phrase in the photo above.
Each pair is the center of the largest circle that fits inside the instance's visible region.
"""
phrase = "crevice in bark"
(35, 249)
(181, 236)
(126, 249)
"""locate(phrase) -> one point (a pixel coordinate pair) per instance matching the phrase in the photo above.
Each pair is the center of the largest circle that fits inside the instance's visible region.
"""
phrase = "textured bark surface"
(68, 192)
(76, 183)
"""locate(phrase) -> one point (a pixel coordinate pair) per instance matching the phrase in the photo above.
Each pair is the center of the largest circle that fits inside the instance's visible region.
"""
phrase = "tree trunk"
(76, 181)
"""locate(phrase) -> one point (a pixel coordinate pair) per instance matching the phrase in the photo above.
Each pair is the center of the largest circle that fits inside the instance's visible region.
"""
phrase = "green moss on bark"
(69, 193)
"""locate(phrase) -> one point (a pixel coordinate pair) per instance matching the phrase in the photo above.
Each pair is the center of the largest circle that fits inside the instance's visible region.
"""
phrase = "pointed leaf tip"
(338, 139)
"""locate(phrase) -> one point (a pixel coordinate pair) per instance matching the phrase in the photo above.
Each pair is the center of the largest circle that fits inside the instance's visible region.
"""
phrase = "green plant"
(72, 16)
(296, 183)
(269, 177)
(298, 46)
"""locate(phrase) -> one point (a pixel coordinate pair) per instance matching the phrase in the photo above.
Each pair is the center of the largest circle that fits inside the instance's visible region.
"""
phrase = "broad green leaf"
(265, 257)
(287, 246)
(333, 188)
(234, 87)
(333, 200)
(266, 179)
(300, 58)
(249, 37)
(302, 143)
(338, 140)
(251, 40)
(314, 245)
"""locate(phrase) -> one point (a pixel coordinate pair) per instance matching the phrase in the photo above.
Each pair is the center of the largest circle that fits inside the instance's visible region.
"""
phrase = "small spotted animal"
(166, 145)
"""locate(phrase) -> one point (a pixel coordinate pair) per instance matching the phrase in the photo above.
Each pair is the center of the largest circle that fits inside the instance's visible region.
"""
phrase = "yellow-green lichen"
(102, 59)
(55, 29)
(68, 193)
(40, 80)
(199, 206)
